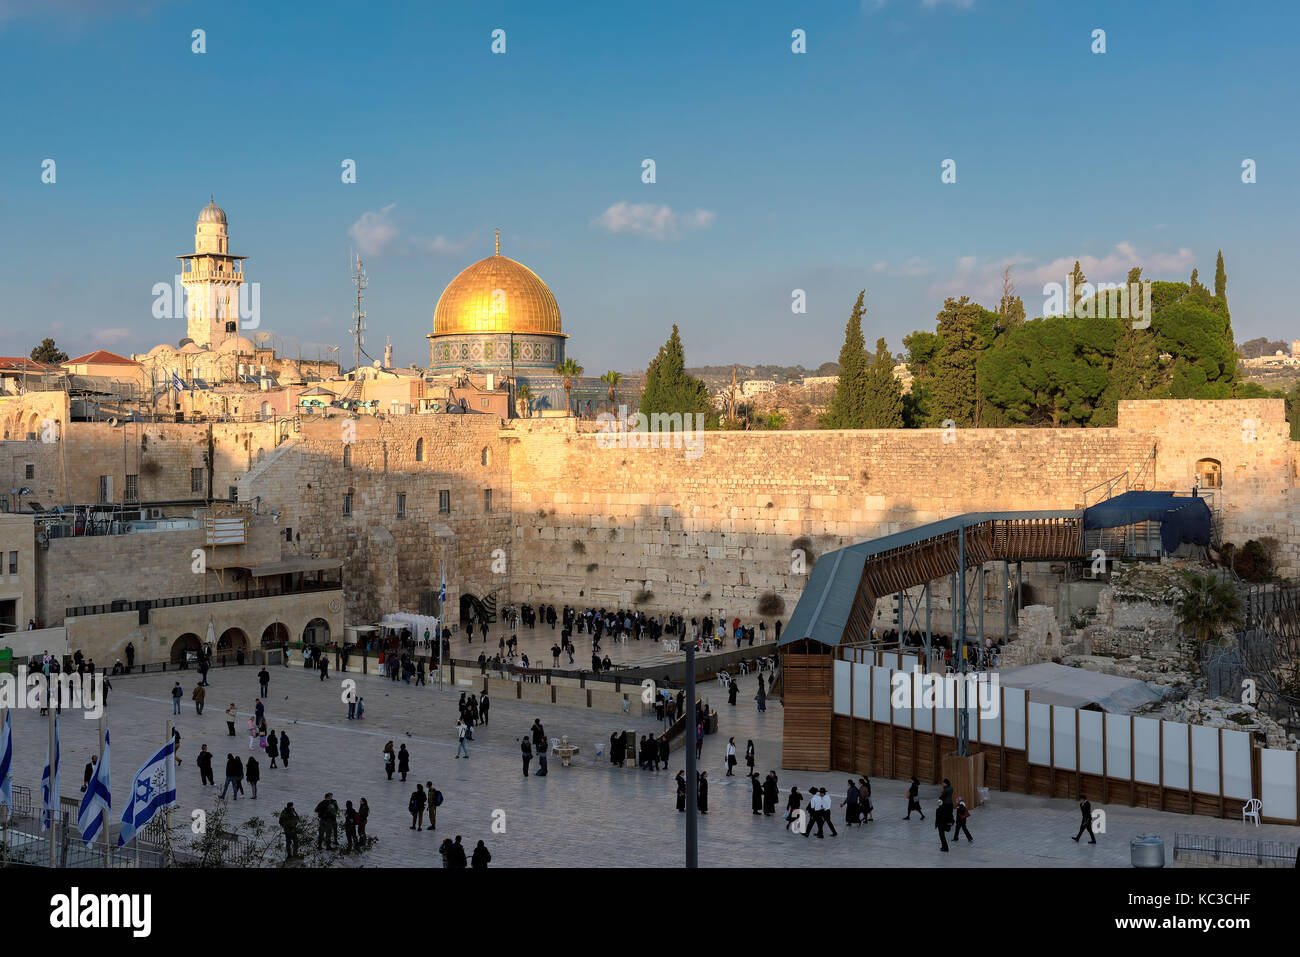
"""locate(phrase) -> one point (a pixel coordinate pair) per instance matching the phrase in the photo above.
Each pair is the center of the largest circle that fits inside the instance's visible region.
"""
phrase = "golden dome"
(497, 294)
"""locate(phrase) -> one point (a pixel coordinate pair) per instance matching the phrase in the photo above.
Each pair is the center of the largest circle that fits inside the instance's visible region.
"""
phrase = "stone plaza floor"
(587, 815)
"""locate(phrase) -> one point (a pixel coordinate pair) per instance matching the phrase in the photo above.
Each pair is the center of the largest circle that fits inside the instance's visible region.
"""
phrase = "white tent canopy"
(1049, 683)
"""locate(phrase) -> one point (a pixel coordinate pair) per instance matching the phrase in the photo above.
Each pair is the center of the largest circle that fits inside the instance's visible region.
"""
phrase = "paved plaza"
(587, 815)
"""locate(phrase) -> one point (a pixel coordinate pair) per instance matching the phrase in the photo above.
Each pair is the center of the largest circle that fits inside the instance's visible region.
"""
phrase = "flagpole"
(167, 811)
(103, 811)
(8, 808)
(54, 798)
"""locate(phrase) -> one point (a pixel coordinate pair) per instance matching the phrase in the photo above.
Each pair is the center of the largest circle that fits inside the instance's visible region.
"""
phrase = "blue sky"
(775, 171)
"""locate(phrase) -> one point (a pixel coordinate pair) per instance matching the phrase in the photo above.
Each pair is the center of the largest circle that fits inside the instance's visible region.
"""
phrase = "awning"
(1050, 683)
(1182, 519)
(293, 566)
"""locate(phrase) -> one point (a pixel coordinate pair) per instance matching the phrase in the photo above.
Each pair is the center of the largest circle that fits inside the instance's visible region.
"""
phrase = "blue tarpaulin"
(1182, 519)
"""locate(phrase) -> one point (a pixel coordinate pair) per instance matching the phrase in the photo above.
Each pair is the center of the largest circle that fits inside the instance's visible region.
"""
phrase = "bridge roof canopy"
(1182, 519)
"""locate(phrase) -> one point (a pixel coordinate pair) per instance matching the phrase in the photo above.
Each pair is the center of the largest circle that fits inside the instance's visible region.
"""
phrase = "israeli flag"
(98, 799)
(7, 766)
(442, 590)
(177, 384)
(152, 789)
(50, 784)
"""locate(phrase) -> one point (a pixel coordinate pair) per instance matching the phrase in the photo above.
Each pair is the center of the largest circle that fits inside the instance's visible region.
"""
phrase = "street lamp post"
(692, 801)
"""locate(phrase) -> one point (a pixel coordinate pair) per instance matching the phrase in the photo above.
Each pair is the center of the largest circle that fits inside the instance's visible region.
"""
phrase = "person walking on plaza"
(177, 691)
(416, 806)
(749, 755)
(234, 772)
(914, 792)
(197, 696)
(289, 824)
(850, 803)
(272, 747)
(324, 674)
(771, 794)
(946, 795)
(731, 757)
(90, 771)
(702, 798)
(943, 823)
(681, 791)
(479, 859)
(541, 763)
(259, 710)
(664, 750)
(527, 751)
(264, 681)
(699, 739)
(352, 704)
(284, 747)
(761, 697)
(460, 738)
(1085, 809)
(327, 816)
(204, 760)
(814, 813)
(756, 797)
(231, 714)
(792, 806)
(864, 797)
(733, 689)
(361, 707)
(483, 705)
(403, 762)
(539, 736)
(252, 775)
(962, 816)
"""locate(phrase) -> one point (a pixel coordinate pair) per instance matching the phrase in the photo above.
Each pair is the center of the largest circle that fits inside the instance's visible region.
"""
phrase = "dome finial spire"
(498, 240)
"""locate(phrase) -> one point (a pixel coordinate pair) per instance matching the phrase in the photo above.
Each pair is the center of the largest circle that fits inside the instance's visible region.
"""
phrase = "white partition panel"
(945, 698)
(1175, 754)
(1236, 765)
(1013, 708)
(1205, 759)
(843, 675)
(862, 691)
(1146, 750)
(1063, 734)
(1040, 733)
(990, 715)
(1090, 723)
(1119, 749)
(892, 659)
(880, 695)
(1278, 770)
(903, 687)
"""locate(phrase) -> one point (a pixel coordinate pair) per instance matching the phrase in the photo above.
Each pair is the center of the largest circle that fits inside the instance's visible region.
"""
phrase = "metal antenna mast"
(358, 316)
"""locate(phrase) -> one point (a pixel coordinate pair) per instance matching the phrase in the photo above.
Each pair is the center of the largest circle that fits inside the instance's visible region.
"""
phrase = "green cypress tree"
(884, 393)
(847, 409)
(1076, 275)
(953, 393)
(668, 389)
(1220, 281)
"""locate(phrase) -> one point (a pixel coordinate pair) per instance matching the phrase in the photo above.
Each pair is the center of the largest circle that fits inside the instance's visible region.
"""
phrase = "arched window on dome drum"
(419, 450)
(1209, 473)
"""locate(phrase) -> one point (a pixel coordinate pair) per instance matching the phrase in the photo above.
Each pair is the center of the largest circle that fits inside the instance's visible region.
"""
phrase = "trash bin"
(1147, 851)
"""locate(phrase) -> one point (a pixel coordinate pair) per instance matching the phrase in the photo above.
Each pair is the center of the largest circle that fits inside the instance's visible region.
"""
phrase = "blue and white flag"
(7, 766)
(50, 789)
(152, 789)
(97, 805)
(177, 384)
(442, 591)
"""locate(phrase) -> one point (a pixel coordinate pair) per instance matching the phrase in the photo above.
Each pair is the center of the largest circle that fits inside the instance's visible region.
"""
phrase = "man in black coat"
(1085, 809)
(942, 823)
(204, 761)
(527, 751)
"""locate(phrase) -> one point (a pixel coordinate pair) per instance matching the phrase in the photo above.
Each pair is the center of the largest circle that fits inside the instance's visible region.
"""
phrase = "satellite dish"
(112, 423)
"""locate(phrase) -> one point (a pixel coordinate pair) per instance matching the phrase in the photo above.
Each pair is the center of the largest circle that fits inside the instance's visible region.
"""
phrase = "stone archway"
(316, 632)
(274, 635)
(232, 641)
(184, 645)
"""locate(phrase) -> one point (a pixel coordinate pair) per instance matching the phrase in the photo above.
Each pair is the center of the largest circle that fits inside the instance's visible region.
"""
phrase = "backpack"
(411, 807)
(437, 799)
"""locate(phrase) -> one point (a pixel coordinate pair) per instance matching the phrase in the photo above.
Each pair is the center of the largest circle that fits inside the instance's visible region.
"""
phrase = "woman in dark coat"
(616, 749)
(732, 690)
(770, 795)
(664, 750)
(702, 799)
(757, 803)
(864, 797)
(403, 761)
(681, 791)
(761, 697)
(253, 775)
(284, 747)
(272, 747)
(363, 814)
(749, 756)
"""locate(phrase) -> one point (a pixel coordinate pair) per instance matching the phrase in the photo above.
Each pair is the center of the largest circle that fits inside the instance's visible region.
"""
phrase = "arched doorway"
(1209, 473)
(317, 632)
(473, 608)
(232, 641)
(185, 645)
(275, 635)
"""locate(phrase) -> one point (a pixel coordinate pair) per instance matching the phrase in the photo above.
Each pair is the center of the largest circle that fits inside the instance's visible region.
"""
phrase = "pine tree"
(668, 389)
(884, 393)
(1220, 281)
(954, 389)
(847, 409)
(48, 353)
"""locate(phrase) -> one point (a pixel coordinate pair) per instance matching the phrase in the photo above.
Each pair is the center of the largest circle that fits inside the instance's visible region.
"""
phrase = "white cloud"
(915, 266)
(374, 232)
(444, 246)
(982, 279)
(653, 222)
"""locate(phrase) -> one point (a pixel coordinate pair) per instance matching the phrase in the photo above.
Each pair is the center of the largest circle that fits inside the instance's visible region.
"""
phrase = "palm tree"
(570, 370)
(1206, 606)
(612, 379)
(523, 395)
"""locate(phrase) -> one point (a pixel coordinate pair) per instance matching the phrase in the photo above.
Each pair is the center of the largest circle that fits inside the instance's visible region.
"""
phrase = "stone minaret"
(211, 277)
(388, 353)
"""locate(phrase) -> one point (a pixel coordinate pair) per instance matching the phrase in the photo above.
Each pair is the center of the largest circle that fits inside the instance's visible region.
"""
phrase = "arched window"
(1209, 473)
(419, 450)
(486, 456)
(347, 456)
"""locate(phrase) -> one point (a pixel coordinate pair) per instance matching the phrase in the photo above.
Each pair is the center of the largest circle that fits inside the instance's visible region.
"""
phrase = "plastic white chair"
(555, 743)
(724, 679)
(1251, 809)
